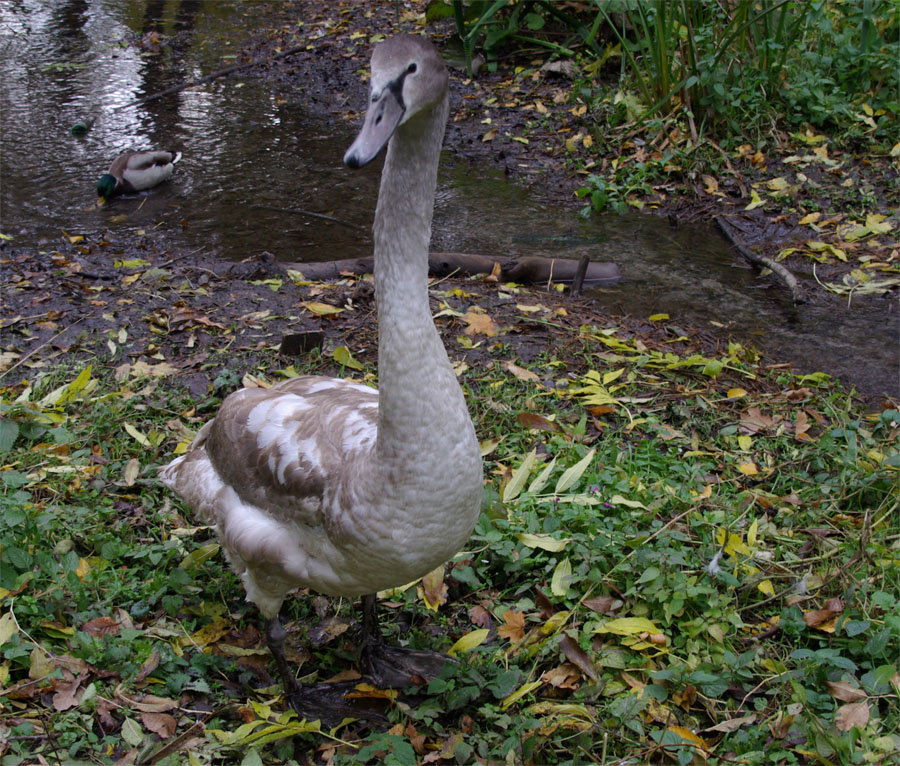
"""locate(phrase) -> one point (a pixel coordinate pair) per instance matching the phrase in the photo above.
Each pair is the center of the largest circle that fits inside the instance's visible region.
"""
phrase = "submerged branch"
(760, 260)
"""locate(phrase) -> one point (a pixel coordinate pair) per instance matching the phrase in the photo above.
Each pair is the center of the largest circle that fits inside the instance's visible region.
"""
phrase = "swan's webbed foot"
(394, 667)
(329, 704)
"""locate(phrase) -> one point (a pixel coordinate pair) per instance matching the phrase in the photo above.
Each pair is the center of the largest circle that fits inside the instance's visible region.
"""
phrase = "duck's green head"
(106, 186)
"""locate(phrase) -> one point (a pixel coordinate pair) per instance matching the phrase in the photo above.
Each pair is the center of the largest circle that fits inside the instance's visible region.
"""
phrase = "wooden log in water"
(529, 269)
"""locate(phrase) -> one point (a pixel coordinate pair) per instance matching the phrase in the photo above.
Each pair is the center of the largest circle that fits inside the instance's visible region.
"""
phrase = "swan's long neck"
(420, 402)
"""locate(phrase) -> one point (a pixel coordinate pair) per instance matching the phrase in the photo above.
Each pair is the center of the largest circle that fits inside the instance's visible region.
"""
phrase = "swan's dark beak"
(382, 118)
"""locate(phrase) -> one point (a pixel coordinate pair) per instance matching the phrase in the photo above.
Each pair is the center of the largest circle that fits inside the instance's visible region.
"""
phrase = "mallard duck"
(328, 484)
(132, 172)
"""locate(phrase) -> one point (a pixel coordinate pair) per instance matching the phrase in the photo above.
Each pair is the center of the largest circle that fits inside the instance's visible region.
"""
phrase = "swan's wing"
(271, 473)
(281, 450)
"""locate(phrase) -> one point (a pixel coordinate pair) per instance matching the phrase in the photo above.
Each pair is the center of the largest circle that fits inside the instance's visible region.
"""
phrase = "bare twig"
(760, 260)
(310, 213)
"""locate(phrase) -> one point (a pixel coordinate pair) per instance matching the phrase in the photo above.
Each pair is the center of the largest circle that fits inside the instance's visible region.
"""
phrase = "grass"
(680, 558)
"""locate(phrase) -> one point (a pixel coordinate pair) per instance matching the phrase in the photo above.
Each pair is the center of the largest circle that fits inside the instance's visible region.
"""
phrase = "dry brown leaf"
(345, 675)
(162, 724)
(521, 373)
(104, 713)
(798, 394)
(667, 433)
(514, 629)
(852, 714)
(433, 589)
(496, 273)
(782, 725)
(479, 322)
(824, 619)
(602, 604)
(449, 747)
(185, 314)
(844, 692)
(578, 657)
(801, 427)
(480, 616)
(530, 420)
(68, 693)
(754, 421)
(565, 676)
(544, 604)
(150, 664)
(327, 630)
(416, 740)
(102, 626)
(733, 724)
(149, 703)
(73, 665)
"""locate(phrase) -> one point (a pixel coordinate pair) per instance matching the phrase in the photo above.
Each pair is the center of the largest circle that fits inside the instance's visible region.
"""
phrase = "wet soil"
(184, 317)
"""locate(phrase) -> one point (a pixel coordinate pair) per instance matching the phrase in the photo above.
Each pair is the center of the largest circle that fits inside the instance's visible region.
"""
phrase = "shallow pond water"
(260, 173)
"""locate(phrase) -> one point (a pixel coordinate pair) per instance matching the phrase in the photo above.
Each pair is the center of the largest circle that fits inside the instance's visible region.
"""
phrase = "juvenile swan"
(331, 485)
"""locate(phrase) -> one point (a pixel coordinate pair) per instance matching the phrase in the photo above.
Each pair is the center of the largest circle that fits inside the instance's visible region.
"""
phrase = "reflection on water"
(247, 154)
(256, 165)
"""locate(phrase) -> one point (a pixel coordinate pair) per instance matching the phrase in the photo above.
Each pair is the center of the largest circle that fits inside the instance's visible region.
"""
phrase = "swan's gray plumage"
(328, 484)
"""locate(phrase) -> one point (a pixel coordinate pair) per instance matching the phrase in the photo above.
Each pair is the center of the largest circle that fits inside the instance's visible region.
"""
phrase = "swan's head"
(408, 78)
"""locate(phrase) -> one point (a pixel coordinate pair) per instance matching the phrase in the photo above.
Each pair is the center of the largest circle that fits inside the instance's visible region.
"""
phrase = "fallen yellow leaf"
(469, 641)
(320, 309)
(811, 218)
(756, 200)
(627, 626)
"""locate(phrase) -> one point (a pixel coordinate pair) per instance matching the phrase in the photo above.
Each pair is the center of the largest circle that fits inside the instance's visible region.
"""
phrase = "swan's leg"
(275, 639)
(391, 667)
(324, 702)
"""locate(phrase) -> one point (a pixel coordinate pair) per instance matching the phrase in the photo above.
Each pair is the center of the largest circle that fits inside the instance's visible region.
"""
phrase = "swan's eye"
(412, 68)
